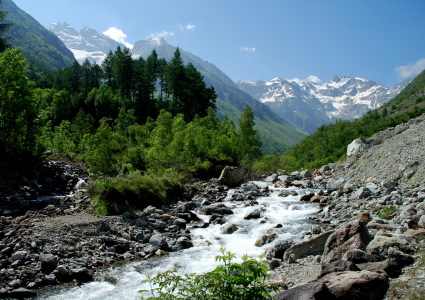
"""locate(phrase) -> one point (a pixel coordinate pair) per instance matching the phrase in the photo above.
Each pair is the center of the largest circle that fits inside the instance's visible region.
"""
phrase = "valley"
(151, 169)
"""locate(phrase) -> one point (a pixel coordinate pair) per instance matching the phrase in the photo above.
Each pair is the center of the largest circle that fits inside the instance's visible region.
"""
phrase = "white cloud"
(314, 79)
(411, 69)
(310, 78)
(162, 34)
(118, 35)
(248, 49)
(188, 26)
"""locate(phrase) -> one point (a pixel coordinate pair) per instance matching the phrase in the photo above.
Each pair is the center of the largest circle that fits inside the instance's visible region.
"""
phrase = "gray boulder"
(360, 285)
(361, 193)
(308, 247)
(220, 209)
(311, 290)
(19, 255)
(358, 256)
(229, 229)
(352, 235)
(358, 146)
(272, 178)
(183, 207)
(306, 174)
(337, 266)
(279, 249)
(80, 274)
(183, 243)
(254, 214)
(381, 243)
(335, 184)
(265, 239)
(158, 241)
(49, 262)
(390, 266)
(232, 176)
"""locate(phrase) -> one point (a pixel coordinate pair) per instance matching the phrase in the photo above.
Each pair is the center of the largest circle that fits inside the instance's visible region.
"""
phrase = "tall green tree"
(197, 97)
(17, 109)
(248, 138)
(122, 67)
(4, 44)
(175, 76)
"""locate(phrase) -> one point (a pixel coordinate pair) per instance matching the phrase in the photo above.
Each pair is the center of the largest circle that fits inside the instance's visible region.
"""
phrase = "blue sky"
(380, 40)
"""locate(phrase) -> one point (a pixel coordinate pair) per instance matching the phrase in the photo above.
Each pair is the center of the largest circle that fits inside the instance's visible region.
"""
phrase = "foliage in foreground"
(228, 281)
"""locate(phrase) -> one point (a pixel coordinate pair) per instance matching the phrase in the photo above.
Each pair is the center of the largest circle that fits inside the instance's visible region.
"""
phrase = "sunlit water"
(286, 211)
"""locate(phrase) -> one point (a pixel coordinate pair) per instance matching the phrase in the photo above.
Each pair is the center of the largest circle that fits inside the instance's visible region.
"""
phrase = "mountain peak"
(157, 41)
(86, 44)
(335, 79)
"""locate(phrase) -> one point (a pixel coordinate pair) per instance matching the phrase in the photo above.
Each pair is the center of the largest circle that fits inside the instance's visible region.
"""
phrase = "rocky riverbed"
(365, 241)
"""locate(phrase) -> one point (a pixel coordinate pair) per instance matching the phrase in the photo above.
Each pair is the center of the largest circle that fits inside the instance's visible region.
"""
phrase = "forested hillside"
(43, 49)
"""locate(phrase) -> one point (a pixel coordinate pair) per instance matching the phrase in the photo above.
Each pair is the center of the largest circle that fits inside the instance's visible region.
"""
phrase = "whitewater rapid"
(285, 216)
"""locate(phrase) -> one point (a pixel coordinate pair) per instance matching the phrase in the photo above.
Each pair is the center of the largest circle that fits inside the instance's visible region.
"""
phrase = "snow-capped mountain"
(308, 105)
(87, 44)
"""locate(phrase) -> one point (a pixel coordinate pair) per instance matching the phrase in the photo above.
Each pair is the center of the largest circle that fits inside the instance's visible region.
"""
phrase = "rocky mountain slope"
(44, 50)
(86, 44)
(397, 153)
(307, 105)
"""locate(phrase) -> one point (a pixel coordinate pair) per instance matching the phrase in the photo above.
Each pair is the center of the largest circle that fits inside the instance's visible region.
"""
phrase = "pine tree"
(248, 138)
(4, 44)
(175, 82)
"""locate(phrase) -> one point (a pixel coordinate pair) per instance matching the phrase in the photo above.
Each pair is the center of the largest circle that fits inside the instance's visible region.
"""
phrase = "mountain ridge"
(308, 105)
(86, 44)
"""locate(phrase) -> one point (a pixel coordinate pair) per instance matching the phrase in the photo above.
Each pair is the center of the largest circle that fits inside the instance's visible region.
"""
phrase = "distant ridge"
(308, 105)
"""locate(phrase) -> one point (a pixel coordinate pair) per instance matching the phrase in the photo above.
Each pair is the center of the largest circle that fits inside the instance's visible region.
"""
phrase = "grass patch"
(385, 212)
(134, 191)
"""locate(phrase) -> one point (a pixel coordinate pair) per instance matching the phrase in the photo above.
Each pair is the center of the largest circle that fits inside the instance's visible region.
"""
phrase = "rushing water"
(286, 211)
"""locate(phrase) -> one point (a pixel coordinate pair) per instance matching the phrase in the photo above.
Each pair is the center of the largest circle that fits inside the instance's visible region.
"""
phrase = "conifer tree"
(4, 44)
(248, 138)
(175, 82)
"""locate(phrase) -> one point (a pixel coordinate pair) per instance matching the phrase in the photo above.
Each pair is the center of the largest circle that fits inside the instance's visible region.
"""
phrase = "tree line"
(127, 114)
(145, 85)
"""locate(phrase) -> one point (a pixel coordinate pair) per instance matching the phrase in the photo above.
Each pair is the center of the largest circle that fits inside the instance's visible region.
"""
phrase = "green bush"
(228, 281)
(134, 191)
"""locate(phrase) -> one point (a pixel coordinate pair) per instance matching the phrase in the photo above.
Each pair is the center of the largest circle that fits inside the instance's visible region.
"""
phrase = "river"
(123, 282)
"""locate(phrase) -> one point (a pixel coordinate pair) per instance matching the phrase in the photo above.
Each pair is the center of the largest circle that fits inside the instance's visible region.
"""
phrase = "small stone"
(364, 217)
(229, 229)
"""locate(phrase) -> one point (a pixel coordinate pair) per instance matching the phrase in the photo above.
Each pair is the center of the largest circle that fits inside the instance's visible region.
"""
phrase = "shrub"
(228, 281)
(133, 191)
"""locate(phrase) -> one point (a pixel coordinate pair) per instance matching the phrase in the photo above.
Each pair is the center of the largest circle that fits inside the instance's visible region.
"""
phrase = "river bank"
(367, 221)
(66, 243)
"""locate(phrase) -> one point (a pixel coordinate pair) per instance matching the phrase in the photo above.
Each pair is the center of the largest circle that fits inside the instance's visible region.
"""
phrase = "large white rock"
(357, 146)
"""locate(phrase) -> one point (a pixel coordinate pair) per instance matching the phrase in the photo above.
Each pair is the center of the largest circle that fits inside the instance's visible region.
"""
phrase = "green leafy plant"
(227, 281)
